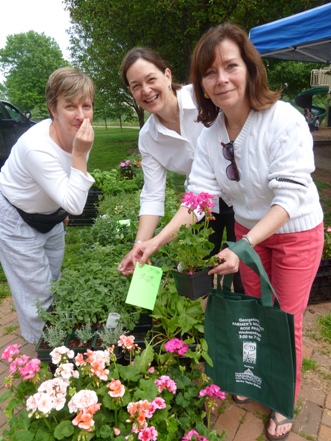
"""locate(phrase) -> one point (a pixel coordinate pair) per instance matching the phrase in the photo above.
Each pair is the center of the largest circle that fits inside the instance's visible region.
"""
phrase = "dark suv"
(12, 125)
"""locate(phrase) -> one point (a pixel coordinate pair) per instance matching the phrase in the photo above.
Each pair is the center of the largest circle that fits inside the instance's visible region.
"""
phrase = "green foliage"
(327, 243)
(55, 335)
(27, 60)
(85, 332)
(90, 290)
(325, 325)
(99, 40)
(308, 364)
(110, 336)
(110, 182)
(292, 76)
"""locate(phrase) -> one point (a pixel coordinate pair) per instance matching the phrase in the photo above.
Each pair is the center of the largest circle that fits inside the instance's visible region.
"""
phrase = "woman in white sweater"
(257, 154)
(44, 179)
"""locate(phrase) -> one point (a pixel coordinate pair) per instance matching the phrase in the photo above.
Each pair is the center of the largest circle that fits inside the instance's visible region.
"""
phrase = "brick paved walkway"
(241, 423)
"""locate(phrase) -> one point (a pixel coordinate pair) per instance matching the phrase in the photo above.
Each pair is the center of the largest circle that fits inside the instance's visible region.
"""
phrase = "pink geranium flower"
(9, 353)
(148, 434)
(176, 345)
(127, 342)
(116, 388)
(165, 382)
(212, 391)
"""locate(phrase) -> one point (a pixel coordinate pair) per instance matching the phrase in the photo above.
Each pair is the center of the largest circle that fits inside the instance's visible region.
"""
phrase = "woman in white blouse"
(167, 141)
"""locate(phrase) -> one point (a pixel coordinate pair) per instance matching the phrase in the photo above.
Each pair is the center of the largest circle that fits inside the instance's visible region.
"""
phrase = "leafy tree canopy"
(27, 60)
(103, 31)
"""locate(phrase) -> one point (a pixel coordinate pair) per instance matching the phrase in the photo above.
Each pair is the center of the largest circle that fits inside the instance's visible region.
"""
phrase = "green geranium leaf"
(5, 395)
(63, 430)
(23, 436)
(143, 361)
(106, 432)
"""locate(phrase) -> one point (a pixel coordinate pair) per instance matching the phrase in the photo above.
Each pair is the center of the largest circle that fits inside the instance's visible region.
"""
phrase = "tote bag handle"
(250, 257)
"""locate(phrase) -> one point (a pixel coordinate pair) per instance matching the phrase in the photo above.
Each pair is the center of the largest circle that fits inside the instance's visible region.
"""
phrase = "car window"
(13, 113)
(2, 112)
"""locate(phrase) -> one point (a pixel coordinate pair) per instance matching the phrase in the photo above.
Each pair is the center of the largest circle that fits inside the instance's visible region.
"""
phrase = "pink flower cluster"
(85, 402)
(176, 345)
(20, 365)
(61, 353)
(10, 352)
(51, 395)
(96, 362)
(165, 382)
(116, 388)
(125, 163)
(202, 202)
(127, 342)
(212, 391)
(193, 435)
(139, 412)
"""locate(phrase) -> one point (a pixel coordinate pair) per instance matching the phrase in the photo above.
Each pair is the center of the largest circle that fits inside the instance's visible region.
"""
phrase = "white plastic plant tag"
(112, 320)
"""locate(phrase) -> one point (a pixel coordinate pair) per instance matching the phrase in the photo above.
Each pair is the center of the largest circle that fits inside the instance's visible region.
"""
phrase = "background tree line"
(103, 31)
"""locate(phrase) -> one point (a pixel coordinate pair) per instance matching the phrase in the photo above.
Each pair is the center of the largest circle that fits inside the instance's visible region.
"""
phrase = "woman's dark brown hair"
(146, 54)
(258, 93)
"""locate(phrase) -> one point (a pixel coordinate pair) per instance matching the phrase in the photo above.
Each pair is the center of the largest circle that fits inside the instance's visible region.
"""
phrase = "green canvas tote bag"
(251, 340)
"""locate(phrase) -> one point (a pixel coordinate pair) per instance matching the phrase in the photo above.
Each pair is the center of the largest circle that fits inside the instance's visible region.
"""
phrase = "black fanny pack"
(43, 222)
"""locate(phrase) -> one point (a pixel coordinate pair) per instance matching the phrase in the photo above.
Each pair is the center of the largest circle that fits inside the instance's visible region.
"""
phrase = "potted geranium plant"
(90, 397)
(190, 249)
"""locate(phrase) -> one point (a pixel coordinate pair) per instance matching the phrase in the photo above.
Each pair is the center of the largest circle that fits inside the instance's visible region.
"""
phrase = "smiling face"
(149, 86)
(225, 81)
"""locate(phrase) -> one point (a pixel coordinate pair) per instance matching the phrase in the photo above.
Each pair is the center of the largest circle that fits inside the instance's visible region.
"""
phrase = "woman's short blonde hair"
(69, 83)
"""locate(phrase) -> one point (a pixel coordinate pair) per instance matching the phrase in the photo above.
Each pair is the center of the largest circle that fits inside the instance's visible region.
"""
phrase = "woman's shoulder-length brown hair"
(259, 95)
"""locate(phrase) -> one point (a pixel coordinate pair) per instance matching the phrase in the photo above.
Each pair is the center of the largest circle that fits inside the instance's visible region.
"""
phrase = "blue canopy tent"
(301, 37)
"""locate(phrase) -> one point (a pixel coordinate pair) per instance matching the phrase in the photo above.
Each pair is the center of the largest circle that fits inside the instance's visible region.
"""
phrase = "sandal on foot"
(278, 423)
(239, 401)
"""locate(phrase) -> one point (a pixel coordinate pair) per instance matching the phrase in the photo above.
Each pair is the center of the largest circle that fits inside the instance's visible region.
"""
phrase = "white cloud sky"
(47, 16)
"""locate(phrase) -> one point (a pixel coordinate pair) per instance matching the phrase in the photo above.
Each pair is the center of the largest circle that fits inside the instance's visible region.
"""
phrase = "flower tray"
(321, 289)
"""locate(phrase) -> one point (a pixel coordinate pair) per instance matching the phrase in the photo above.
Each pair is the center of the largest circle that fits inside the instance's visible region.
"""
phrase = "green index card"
(144, 286)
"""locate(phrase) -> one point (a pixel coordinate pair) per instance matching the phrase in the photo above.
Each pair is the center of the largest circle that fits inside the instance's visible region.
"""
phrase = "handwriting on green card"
(144, 286)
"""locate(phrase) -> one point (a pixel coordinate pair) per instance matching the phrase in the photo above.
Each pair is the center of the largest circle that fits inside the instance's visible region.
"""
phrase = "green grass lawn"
(112, 146)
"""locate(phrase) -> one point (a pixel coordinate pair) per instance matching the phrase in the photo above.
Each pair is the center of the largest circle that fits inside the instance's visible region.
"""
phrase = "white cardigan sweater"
(273, 145)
